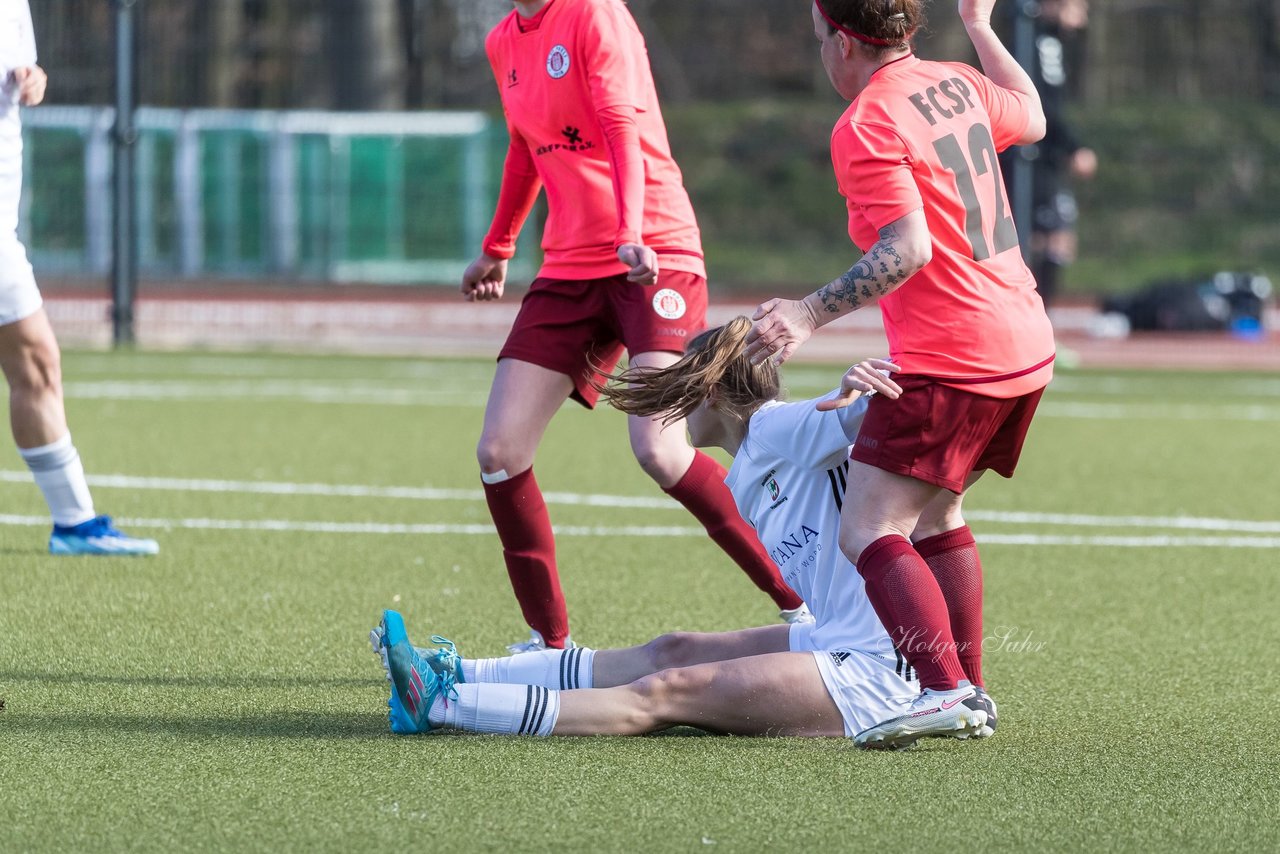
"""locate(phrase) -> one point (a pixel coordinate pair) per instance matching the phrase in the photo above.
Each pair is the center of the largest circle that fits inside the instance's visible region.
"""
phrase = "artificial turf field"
(223, 695)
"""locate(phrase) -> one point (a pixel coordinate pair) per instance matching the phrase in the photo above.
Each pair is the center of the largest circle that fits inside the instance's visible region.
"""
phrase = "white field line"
(378, 528)
(370, 392)
(1120, 386)
(118, 481)
(384, 528)
(1185, 523)
(357, 392)
(285, 370)
(306, 370)
(1158, 411)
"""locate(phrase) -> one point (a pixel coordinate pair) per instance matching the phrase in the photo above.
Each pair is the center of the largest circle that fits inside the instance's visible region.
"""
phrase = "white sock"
(59, 473)
(500, 709)
(562, 669)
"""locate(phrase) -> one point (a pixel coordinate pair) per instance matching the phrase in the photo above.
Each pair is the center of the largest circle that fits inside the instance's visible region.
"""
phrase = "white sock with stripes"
(500, 709)
(59, 473)
(562, 669)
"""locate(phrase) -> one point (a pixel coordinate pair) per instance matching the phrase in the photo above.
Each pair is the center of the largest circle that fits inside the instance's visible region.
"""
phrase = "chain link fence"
(429, 54)
(746, 98)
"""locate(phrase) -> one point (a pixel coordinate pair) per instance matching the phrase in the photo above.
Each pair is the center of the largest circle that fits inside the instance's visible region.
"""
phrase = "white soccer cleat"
(798, 615)
(983, 701)
(535, 643)
(958, 713)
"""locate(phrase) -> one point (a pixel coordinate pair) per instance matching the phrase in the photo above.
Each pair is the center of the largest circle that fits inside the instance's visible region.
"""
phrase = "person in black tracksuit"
(1060, 156)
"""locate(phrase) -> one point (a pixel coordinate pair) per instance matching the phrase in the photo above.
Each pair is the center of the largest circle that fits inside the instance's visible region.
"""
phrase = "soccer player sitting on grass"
(837, 676)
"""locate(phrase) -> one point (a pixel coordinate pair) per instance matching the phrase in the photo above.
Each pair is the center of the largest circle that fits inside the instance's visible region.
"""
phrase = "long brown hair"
(715, 360)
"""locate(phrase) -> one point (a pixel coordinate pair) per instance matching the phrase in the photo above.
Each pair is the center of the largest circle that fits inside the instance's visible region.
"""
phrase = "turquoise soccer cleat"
(443, 659)
(415, 680)
(97, 537)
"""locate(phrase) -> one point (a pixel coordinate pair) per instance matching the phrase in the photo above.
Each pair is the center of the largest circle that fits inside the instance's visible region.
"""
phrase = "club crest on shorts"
(558, 62)
(669, 304)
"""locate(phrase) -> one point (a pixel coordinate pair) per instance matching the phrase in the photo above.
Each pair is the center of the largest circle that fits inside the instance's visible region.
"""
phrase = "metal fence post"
(124, 265)
(282, 200)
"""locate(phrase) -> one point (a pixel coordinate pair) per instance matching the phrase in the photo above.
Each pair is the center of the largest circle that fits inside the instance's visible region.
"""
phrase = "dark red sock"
(529, 549)
(907, 599)
(703, 493)
(953, 559)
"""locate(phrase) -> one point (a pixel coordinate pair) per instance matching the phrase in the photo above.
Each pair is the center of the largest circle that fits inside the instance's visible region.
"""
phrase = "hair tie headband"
(865, 39)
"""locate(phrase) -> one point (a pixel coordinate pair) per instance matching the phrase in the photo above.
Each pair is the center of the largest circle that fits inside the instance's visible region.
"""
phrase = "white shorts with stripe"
(866, 687)
(19, 296)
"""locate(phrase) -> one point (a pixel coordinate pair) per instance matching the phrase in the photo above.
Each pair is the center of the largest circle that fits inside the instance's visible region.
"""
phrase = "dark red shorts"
(573, 326)
(939, 434)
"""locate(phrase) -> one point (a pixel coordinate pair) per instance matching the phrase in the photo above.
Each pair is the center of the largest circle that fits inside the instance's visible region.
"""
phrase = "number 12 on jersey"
(982, 155)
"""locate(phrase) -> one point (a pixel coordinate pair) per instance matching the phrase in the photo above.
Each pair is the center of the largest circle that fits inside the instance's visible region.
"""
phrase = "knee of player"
(649, 456)
(40, 370)
(669, 650)
(659, 461)
(656, 692)
(496, 453)
(939, 523)
(850, 540)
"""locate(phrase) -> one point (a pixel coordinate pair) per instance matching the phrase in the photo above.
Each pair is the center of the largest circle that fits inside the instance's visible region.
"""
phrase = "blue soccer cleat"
(97, 537)
(415, 682)
(444, 660)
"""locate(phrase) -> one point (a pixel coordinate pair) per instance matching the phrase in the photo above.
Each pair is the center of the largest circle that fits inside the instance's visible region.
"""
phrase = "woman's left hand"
(867, 377)
(781, 326)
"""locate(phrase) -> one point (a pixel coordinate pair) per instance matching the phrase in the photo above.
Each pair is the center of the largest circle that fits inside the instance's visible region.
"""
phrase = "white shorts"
(865, 686)
(19, 296)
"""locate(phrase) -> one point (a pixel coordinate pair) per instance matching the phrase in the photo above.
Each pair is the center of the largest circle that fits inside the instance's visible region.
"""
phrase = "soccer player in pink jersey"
(622, 268)
(915, 158)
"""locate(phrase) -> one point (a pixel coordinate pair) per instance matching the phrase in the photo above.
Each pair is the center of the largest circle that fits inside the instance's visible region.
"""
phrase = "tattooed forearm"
(878, 273)
(847, 292)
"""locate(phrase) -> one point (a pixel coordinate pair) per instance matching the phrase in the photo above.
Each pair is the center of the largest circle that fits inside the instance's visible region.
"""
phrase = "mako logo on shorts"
(669, 304)
(558, 62)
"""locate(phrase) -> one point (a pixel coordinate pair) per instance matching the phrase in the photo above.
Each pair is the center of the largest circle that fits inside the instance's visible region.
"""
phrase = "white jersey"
(19, 296)
(17, 49)
(788, 480)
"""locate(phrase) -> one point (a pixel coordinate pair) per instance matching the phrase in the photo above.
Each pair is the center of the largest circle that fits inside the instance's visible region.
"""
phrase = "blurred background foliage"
(1178, 97)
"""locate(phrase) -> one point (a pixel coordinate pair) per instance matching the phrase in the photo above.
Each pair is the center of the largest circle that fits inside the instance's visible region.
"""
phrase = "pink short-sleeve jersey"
(925, 135)
(586, 56)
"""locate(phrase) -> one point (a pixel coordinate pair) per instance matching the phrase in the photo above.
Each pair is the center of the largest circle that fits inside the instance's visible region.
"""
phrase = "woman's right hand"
(31, 81)
(484, 279)
(643, 262)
